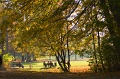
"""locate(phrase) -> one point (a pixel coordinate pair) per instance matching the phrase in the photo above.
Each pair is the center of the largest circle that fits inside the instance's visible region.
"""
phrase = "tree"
(56, 25)
(112, 20)
(112, 17)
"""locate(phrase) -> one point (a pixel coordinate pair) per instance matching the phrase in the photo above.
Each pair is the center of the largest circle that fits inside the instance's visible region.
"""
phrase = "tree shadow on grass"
(56, 75)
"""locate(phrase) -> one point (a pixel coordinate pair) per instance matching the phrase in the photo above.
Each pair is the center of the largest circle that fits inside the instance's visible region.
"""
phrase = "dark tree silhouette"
(0, 60)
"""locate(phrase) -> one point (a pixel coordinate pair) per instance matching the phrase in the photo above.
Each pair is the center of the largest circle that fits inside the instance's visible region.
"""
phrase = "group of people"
(20, 65)
(49, 64)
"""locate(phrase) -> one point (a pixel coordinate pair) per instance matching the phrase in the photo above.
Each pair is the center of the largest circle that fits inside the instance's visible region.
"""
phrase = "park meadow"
(79, 70)
(59, 39)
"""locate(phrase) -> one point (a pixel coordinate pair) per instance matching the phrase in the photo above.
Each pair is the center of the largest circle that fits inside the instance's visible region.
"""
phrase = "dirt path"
(50, 75)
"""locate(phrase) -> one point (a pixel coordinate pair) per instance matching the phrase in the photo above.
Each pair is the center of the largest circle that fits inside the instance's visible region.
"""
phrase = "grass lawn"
(54, 73)
(76, 66)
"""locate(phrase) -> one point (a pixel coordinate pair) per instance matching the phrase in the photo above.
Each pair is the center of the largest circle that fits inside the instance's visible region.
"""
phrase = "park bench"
(15, 64)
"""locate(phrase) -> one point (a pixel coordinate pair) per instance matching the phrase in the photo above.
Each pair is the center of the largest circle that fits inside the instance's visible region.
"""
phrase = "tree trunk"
(6, 40)
(68, 62)
(61, 62)
(23, 58)
(61, 56)
(94, 53)
(14, 56)
(1, 60)
(28, 58)
(75, 56)
(34, 58)
(50, 57)
(101, 60)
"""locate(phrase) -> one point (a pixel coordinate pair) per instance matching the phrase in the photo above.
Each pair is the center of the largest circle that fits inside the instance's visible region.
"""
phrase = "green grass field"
(76, 66)
(40, 64)
(79, 70)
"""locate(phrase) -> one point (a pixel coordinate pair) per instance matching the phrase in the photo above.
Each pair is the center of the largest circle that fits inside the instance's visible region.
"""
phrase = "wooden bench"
(14, 64)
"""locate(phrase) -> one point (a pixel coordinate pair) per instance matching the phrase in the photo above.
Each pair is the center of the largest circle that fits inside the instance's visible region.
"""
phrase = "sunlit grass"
(79, 69)
(73, 63)
(79, 63)
(76, 66)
